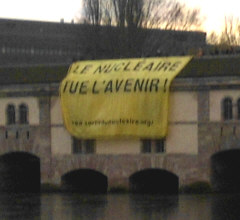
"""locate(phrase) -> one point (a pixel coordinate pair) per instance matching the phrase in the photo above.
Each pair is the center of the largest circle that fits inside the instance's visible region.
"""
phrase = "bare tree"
(228, 41)
(125, 22)
(93, 11)
(230, 34)
(213, 38)
(142, 13)
(178, 16)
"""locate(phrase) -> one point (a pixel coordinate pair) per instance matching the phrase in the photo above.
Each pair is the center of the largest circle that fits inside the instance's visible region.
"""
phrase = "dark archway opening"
(225, 168)
(19, 172)
(154, 181)
(85, 181)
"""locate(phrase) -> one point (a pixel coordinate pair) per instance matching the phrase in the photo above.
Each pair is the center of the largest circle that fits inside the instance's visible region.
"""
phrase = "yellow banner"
(119, 98)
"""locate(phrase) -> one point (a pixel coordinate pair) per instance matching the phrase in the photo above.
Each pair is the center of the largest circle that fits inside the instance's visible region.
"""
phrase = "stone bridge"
(119, 168)
(25, 156)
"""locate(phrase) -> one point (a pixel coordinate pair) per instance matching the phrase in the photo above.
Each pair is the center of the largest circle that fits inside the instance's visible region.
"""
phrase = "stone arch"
(19, 172)
(154, 181)
(84, 181)
(225, 167)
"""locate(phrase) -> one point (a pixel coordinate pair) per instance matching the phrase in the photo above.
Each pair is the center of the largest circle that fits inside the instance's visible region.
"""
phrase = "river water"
(119, 207)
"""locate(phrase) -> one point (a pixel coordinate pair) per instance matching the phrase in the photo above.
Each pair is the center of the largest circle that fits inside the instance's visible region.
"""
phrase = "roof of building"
(32, 74)
(198, 67)
(212, 66)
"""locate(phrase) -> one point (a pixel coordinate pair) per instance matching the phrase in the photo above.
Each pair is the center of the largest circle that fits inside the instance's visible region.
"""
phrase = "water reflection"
(226, 206)
(119, 207)
(72, 206)
(153, 206)
(19, 206)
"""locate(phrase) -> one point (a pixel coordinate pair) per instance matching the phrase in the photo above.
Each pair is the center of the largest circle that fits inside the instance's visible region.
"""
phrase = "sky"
(43, 10)
(214, 11)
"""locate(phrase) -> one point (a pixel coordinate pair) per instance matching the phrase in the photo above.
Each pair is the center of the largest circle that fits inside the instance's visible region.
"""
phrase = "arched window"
(238, 109)
(23, 114)
(227, 109)
(11, 117)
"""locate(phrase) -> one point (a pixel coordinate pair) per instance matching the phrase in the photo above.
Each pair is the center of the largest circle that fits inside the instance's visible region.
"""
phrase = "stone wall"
(213, 136)
(119, 168)
(34, 138)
